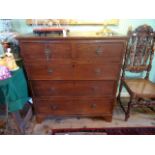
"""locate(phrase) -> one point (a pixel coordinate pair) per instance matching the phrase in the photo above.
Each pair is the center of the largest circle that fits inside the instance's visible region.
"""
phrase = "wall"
(19, 25)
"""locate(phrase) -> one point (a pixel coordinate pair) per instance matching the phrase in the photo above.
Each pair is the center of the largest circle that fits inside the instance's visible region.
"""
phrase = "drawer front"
(80, 106)
(94, 88)
(49, 71)
(46, 50)
(52, 88)
(73, 88)
(100, 50)
(41, 71)
(97, 71)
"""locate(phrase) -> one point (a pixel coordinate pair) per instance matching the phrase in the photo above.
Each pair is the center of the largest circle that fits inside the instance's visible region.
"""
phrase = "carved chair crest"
(140, 50)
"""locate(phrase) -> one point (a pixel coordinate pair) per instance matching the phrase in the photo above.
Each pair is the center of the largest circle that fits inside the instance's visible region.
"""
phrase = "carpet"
(106, 131)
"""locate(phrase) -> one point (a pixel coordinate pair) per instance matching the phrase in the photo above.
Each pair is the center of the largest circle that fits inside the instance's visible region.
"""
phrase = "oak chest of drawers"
(73, 76)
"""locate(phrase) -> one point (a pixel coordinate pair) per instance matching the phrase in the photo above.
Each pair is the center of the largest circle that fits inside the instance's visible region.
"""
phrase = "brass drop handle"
(54, 107)
(99, 51)
(52, 89)
(93, 106)
(48, 53)
(50, 71)
(98, 71)
(94, 88)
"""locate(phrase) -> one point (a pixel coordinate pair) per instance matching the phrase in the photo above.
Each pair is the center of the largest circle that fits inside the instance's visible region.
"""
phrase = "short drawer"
(52, 88)
(41, 71)
(97, 71)
(46, 50)
(106, 51)
(80, 106)
(73, 88)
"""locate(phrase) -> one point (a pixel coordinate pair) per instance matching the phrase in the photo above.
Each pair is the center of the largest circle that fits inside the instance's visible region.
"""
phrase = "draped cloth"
(14, 91)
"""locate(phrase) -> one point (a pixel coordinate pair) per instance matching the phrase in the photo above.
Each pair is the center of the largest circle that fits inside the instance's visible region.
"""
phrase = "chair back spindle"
(140, 50)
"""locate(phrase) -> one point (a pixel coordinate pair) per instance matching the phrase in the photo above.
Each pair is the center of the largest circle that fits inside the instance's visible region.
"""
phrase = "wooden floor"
(140, 117)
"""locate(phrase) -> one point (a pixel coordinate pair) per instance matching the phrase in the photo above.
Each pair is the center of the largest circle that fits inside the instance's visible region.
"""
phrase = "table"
(14, 91)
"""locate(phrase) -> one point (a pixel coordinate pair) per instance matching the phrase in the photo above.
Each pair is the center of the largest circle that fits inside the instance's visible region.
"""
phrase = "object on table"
(9, 61)
(2, 54)
(4, 73)
(50, 30)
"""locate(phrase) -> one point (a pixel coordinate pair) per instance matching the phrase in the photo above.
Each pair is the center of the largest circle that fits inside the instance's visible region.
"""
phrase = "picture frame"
(73, 22)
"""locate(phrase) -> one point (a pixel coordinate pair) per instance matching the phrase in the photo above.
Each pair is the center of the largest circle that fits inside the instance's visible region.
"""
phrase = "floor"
(139, 117)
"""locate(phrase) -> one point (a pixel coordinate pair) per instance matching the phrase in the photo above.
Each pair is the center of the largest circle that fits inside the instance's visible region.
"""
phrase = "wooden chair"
(138, 59)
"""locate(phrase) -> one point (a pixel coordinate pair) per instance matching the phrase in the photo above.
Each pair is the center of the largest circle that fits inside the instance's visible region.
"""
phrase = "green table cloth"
(13, 91)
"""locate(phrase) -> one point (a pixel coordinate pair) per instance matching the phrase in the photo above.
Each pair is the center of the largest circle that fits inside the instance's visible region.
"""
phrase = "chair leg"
(119, 98)
(21, 122)
(7, 117)
(127, 113)
(18, 120)
(120, 90)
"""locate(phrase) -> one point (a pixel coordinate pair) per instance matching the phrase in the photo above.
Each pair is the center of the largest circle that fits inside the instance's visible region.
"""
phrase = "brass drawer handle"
(99, 51)
(95, 88)
(48, 53)
(98, 71)
(54, 107)
(52, 89)
(50, 71)
(93, 106)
